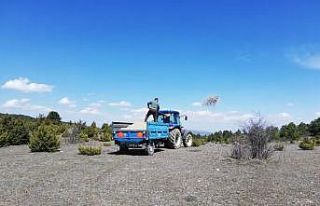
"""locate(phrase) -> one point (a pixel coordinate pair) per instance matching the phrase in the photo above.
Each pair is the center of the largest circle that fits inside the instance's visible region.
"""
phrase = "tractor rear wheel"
(187, 142)
(175, 139)
(150, 148)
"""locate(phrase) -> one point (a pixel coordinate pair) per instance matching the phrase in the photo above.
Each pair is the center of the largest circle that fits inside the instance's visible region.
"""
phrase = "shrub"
(61, 129)
(84, 137)
(13, 132)
(241, 148)
(72, 134)
(316, 141)
(19, 134)
(3, 139)
(92, 131)
(254, 143)
(198, 142)
(106, 131)
(278, 147)
(106, 137)
(107, 144)
(307, 144)
(89, 150)
(44, 139)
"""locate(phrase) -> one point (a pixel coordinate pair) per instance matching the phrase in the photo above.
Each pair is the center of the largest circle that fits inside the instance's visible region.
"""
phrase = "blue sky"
(103, 60)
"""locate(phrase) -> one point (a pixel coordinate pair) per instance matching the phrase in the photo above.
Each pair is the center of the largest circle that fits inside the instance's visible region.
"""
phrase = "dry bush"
(278, 146)
(240, 148)
(72, 135)
(254, 144)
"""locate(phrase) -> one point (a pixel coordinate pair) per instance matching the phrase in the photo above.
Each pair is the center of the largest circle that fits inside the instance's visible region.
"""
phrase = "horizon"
(103, 61)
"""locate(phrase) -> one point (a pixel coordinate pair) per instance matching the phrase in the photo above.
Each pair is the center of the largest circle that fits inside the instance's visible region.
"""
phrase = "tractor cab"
(170, 117)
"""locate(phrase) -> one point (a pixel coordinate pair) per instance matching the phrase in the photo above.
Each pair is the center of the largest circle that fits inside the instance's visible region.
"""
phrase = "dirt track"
(189, 176)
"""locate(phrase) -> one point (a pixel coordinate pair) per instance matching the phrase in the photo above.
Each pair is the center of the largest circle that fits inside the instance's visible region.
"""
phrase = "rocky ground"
(188, 176)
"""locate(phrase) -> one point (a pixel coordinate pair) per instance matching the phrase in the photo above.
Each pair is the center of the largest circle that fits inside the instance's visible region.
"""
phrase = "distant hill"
(17, 116)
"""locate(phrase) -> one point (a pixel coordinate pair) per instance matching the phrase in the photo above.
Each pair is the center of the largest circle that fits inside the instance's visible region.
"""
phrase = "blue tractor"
(149, 135)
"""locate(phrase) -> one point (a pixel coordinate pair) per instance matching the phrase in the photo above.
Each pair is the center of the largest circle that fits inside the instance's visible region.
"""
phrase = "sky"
(103, 60)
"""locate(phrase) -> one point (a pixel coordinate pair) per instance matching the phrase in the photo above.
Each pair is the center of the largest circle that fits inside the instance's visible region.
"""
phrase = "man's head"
(156, 99)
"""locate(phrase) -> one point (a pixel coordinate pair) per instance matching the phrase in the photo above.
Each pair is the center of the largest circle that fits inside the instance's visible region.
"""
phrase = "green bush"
(106, 131)
(278, 147)
(13, 132)
(92, 131)
(89, 150)
(44, 139)
(316, 141)
(106, 137)
(307, 144)
(19, 134)
(198, 142)
(3, 139)
(84, 137)
(107, 144)
(61, 129)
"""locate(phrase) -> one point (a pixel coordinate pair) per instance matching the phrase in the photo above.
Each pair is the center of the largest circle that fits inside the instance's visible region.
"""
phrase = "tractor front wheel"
(175, 139)
(187, 142)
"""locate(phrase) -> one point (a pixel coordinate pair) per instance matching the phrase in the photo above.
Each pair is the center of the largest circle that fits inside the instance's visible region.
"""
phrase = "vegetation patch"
(13, 131)
(197, 142)
(84, 137)
(307, 144)
(44, 139)
(89, 150)
(316, 141)
(254, 144)
(107, 144)
(278, 147)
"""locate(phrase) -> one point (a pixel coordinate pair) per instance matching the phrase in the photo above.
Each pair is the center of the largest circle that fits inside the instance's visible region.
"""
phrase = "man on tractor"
(154, 108)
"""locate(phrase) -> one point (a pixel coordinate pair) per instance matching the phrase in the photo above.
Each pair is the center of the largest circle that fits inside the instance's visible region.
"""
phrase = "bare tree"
(254, 143)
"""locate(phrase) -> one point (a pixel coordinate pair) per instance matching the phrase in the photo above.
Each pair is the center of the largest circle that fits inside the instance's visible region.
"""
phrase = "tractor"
(167, 131)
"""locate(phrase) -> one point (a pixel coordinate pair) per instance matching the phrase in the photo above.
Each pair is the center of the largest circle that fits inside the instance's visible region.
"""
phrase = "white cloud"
(16, 103)
(197, 104)
(284, 115)
(279, 119)
(93, 109)
(127, 116)
(290, 104)
(310, 61)
(24, 85)
(120, 104)
(318, 114)
(24, 104)
(67, 102)
(219, 117)
(140, 110)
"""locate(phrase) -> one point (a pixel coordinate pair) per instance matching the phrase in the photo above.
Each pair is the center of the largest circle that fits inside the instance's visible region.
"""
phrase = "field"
(188, 176)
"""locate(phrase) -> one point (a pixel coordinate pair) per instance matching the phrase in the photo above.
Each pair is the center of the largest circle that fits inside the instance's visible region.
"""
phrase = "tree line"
(20, 129)
(44, 133)
(289, 132)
